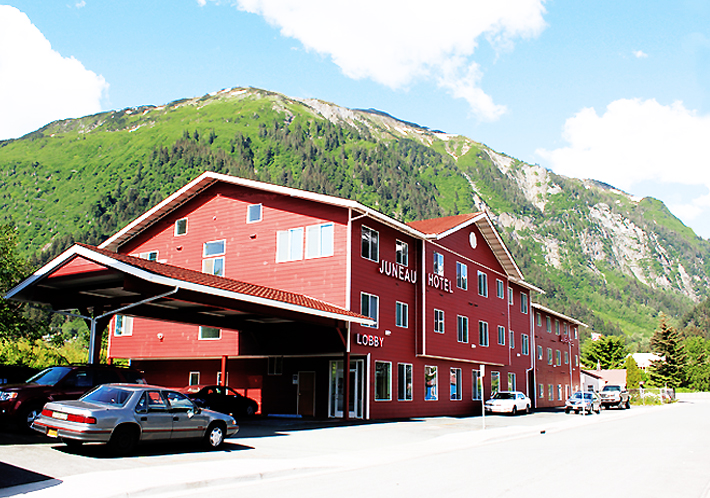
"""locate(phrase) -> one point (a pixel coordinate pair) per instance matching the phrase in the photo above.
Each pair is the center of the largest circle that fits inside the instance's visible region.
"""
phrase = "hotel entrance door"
(337, 388)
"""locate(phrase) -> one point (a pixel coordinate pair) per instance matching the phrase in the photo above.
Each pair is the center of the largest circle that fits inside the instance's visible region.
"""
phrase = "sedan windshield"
(579, 395)
(500, 395)
(108, 395)
(49, 376)
(611, 388)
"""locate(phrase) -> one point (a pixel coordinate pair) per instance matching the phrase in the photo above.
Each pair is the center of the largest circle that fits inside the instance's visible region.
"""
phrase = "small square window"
(194, 379)
(210, 334)
(150, 255)
(181, 226)
(253, 213)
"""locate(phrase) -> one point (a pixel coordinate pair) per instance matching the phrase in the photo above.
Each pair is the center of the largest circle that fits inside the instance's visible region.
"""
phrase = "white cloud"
(640, 54)
(37, 84)
(637, 141)
(396, 42)
(80, 5)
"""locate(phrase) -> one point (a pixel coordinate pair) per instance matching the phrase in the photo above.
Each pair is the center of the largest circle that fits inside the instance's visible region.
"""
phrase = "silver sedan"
(121, 415)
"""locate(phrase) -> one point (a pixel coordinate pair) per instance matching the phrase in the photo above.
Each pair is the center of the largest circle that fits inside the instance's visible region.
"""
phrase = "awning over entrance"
(101, 283)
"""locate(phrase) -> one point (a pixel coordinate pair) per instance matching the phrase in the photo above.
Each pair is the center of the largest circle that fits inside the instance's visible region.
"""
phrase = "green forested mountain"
(602, 256)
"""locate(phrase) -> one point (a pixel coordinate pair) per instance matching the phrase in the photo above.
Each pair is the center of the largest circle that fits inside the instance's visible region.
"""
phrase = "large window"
(123, 325)
(383, 381)
(438, 263)
(495, 382)
(253, 213)
(430, 381)
(482, 284)
(289, 245)
(438, 321)
(402, 314)
(213, 252)
(462, 328)
(501, 335)
(511, 381)
(455, 374)
(477, 384)
(525, 344)
(402, 253)
(209, 334)
(461, 276)
(404, 382)
(483, 333)
(369, 306)
(319, 241)
(370, 244)
(523, 303)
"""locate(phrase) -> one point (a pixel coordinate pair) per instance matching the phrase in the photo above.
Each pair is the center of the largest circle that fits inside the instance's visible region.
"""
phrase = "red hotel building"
(451, 317)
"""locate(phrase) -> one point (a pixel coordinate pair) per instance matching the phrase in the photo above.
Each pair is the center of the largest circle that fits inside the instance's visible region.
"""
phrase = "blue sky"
(614, 91)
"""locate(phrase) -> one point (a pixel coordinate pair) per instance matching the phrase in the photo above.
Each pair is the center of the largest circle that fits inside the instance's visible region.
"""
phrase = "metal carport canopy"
(101, 283)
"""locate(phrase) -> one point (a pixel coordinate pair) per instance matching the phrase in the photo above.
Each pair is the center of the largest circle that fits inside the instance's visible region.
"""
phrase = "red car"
(221, 399)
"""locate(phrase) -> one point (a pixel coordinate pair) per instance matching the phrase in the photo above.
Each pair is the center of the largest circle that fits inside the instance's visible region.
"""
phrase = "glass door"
(337, 388)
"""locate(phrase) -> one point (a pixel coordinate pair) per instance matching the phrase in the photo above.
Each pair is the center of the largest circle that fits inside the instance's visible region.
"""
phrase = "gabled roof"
(425, 230)
(209, 178)
(234, 295)
(438, 228)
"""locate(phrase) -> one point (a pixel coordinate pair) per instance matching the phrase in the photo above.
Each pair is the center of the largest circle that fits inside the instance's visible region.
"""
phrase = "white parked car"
(511, 402)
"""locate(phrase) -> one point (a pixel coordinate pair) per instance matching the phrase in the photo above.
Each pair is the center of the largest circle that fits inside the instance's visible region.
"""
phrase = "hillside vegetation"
(603, 257)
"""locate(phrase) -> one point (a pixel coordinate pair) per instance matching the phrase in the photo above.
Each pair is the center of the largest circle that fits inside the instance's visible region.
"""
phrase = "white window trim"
(461, 275)
(436, 384)
(261, 213)
(405, 252)
(200, 338)
(175, 231)
(501, 335)
(482, 289)
(458, 374)
(189, 379)
(500, 289)
(204, 248)
(438, 263)
(481, 326)
(126, 328)
(376, 318)
(289, 234)
(321, 253)
(462, 319)
(411, 379)
(389, 381)
(437, 321)
(405, 314)
(377, 256)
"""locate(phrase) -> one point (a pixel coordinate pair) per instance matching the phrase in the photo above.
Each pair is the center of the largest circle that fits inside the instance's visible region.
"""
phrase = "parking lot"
(263, 447)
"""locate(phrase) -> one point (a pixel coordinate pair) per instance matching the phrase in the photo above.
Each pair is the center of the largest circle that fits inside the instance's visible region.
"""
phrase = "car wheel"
(123, 440)
(527, 409)
(567, 410)
(250, 411)
(628, 404)
(514, 411)
(28, 415)
(215, 436)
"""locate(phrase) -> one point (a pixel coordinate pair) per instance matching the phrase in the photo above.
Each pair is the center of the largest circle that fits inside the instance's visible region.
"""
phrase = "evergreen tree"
(697, 370)
(633, 373)
(607, 352)
(669, 371)
(12, 269)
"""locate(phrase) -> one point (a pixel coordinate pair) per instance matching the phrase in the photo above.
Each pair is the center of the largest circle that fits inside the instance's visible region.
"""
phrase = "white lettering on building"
(398, 271)
(439, 282)
(372, 341)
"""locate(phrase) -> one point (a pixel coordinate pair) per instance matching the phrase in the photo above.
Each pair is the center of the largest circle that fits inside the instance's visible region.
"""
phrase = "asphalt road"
(652, 451)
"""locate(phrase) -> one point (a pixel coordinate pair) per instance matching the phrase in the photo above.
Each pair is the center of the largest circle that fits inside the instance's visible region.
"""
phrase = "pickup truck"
(615, 395)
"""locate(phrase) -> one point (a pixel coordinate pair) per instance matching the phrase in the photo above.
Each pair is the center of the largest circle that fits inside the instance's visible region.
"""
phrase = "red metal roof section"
(227, 284)
(441, 225)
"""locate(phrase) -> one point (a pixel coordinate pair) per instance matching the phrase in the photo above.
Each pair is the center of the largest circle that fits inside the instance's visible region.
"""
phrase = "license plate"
(59, 415)
(52, 433)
